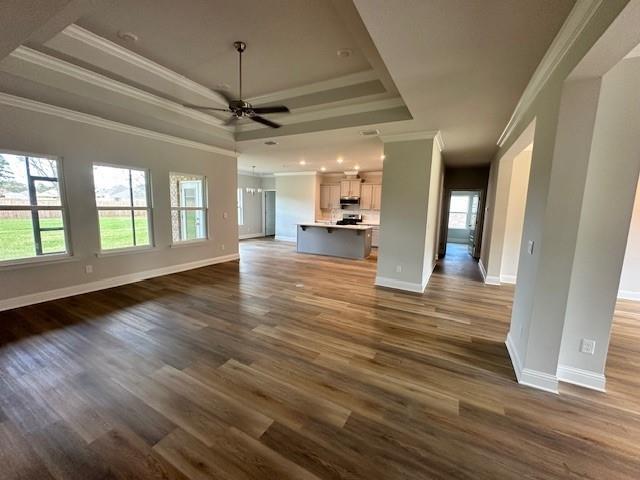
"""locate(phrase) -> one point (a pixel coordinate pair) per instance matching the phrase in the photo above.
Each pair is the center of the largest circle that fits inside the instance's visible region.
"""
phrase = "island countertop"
(330, 225)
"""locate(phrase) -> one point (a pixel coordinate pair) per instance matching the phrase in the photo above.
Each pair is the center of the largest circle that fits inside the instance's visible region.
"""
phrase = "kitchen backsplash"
(368, 216)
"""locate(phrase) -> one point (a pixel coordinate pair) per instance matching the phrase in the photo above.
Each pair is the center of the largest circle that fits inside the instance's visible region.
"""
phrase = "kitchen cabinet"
(376, 197)
(329, 196)
(370, 196)
(350, 188)
(366, 196)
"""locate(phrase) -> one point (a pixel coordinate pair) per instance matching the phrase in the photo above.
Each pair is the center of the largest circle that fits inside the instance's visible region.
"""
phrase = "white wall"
(80, 145)
(515, 217)
(297, 200)
(252, 206)
(630, 278)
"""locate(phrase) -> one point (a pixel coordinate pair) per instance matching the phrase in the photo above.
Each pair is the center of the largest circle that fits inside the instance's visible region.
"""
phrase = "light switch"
(225, 215)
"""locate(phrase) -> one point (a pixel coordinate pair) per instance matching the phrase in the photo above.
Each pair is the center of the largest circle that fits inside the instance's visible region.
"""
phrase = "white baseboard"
(40, 297)
(286, 239)
(511, 279)
(526, 376)
(488, 279)
(400, 284)
(582, 378)
(244, 236)
(629, 295)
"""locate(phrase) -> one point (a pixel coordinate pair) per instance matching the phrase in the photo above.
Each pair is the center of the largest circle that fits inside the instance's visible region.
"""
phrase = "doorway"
(462, 220)
(269, 213)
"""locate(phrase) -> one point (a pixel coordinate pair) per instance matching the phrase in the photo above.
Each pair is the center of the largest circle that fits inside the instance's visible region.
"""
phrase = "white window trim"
(63, 208)
(149, 209)
(204, 209)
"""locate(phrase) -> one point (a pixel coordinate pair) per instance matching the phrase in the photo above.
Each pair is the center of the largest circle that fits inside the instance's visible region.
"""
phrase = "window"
(188, 207)
(124, 207)
(32, 210)
(240, 207)
(458, 210)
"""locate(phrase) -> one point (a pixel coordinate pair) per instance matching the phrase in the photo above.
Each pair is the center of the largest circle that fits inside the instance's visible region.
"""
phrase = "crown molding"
(294, 174)
(248, 173)
(353, 79)
(571, 29)
(301, 116)
(25, 54)
(72, 115)
(409, 136)
(75, 33)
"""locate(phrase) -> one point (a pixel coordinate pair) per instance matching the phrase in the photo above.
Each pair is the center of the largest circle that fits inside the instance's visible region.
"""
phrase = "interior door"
(270, 213)
(473, 221)
(190, 221)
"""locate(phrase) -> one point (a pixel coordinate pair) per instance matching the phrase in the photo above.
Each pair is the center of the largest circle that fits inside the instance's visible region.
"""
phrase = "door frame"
(479, 218)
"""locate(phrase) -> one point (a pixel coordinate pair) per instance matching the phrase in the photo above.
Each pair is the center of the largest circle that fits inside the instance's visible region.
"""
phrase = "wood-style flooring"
(288, 366)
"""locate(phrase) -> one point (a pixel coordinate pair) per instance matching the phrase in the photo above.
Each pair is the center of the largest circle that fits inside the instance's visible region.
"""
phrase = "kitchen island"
(347, 241)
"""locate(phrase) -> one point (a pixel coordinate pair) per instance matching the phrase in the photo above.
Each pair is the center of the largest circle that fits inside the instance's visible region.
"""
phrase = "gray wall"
(252, 206)
(408, 219)
(296, 202)
(80, 145)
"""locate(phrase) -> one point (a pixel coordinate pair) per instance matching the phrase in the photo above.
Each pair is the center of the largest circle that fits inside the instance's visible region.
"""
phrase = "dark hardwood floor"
(459, 263)
(287, 366)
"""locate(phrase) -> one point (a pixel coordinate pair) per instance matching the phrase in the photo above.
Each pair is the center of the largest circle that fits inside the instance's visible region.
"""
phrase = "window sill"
(37, 261)
(125, 251)
(190, 243)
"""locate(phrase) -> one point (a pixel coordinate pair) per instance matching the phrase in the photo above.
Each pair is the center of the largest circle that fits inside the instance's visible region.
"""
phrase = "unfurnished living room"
(319, 239)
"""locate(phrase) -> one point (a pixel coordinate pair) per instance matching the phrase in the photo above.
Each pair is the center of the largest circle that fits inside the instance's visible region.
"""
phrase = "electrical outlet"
(222, 247)
(530, 247)
(398, 268)
(588, 346)
(88, 269)
(225, 215)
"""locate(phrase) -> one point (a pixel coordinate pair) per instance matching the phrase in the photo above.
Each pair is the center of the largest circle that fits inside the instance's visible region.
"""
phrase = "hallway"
(457, 262)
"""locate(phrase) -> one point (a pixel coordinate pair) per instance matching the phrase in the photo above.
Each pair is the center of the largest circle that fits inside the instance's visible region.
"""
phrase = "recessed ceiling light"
(323, 169)
(383, 156)
(270, 142)
(339, 160)
(127, 36)
(344, 52)
(303, 162)
(357, 167)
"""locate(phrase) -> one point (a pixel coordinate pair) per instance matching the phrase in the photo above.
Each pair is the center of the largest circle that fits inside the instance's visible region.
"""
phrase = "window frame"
(63, 209)
(149, 209)
(204, 208)
(240, 206)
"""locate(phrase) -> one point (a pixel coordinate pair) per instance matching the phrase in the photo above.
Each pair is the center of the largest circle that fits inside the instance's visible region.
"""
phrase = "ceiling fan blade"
(264, 121)
(274, 109)
(226, 96)
(200, 107)
(231, 121)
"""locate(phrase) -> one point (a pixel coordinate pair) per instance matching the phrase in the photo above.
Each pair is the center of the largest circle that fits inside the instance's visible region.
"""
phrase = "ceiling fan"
(238, 107)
